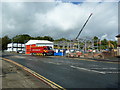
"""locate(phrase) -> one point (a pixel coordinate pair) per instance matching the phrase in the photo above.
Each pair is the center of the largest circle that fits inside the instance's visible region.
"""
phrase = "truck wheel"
(44, 54)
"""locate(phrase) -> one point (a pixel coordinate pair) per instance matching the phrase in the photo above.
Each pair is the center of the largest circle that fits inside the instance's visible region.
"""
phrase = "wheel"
(44, 54)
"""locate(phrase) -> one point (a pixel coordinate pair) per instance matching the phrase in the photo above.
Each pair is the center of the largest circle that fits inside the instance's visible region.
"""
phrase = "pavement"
(15, 77)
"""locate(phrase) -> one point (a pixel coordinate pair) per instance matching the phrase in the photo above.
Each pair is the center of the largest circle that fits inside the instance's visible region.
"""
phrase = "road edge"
(40, 77)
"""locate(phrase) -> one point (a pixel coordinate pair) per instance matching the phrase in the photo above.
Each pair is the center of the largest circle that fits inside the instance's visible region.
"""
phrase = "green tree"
(43, 38)
(38, 38)
(95, 39)
(62, 39)
(48, 38)
(5, 41)
(104, 44)
(21, 38)
(114, 43)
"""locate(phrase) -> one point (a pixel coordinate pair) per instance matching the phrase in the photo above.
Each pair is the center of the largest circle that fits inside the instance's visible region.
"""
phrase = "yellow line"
(51, 83)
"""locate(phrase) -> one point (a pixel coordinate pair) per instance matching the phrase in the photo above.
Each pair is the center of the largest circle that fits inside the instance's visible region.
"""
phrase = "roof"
(118, 35)
(14, 43)
(38, 42)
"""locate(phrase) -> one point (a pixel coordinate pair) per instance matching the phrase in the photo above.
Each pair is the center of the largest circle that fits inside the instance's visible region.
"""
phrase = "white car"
(21, 51)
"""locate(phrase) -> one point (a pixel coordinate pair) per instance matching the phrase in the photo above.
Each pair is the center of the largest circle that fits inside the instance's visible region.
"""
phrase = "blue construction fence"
(59, 52)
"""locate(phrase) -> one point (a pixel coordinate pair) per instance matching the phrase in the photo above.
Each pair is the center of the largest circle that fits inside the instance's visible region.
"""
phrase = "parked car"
(21, 51)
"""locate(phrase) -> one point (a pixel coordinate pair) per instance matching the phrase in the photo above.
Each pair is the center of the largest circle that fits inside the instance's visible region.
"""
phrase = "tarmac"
(15, 77)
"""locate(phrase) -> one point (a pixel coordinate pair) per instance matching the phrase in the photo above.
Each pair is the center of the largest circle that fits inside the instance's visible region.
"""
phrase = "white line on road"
(101, 72)
(107, 68)
(54, 63)
(88, 70)
(112, 72)
(30, 59)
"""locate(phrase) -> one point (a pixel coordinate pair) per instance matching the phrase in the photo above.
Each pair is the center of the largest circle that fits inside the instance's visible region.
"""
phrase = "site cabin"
(41, 50)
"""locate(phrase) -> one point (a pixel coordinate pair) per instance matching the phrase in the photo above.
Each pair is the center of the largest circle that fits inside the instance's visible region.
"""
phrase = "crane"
(74, 40)
(83, 26)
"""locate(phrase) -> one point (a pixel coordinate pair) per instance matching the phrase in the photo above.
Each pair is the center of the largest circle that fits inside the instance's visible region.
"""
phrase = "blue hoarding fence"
(59, 52)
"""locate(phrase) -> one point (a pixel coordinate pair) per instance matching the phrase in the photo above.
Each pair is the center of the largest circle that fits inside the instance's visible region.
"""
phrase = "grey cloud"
(59, 20)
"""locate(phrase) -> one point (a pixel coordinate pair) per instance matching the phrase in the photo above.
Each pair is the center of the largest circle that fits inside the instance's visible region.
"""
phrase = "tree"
(38, 38)
(5, 41)
(48, 38)
(62, 39)
(21, 38)
(95, 39)
(104, 42)
(43, 38)
(114, 43)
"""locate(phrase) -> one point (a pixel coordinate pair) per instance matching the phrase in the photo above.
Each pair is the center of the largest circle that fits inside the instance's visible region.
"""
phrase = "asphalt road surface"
(71, 72)
(15, 77)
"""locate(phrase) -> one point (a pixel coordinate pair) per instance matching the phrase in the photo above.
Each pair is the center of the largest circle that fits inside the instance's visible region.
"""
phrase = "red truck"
(43, 50)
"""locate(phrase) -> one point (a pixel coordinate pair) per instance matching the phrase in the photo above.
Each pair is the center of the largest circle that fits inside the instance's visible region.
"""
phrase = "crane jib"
(83, 26)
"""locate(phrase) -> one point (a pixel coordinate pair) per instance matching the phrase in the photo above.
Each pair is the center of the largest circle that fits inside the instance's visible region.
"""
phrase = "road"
(15, 77)
(71, 72)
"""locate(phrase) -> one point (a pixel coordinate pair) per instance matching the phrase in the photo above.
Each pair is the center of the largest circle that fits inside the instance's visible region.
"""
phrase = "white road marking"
(94, 65)
(112, 72)
(101, 72)
(19, 56)
(88, 70)
(54, 63)
(106, 68)
(30, 59)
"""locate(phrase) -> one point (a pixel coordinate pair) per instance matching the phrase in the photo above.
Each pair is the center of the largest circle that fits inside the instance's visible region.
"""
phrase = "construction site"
(88, 47)
(55, 46)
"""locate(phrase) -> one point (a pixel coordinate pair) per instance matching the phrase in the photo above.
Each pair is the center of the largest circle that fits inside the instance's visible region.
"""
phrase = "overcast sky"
(60, 19)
